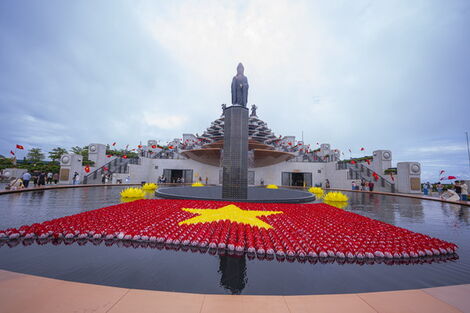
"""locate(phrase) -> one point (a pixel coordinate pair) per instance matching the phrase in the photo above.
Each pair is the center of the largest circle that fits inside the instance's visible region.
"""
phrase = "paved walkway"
(27, 293)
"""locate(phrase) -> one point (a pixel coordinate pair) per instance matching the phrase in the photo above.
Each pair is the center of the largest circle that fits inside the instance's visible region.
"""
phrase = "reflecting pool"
(133, 265)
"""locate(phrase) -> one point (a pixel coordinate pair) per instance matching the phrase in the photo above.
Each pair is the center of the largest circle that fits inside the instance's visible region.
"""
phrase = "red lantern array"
(301, 230)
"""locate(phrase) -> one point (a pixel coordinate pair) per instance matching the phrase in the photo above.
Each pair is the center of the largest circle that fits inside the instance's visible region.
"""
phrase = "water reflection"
(233, 273)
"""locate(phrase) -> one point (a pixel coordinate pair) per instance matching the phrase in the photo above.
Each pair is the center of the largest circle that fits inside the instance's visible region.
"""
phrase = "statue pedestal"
(235, 155)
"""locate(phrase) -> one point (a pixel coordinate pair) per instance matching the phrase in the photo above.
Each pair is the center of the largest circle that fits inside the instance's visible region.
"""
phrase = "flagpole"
(468, 152)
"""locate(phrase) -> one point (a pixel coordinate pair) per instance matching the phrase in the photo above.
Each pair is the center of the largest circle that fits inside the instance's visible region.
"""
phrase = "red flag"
(368, 161)
(154, 146)
(451, 177)
(293, 230)
(105, 168)
(12, 153)
(109, 155)
(362, 149)
(353, 162)
(170, 147)
(114, 144)
(441, 172)
(139, 146)
(124, 156)
(87, 168)
(391, 176)
(19, 147)
(133, 150)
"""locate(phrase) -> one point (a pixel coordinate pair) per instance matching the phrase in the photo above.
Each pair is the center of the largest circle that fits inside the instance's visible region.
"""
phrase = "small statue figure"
(240, 87)
(253, 110)
(224, 106)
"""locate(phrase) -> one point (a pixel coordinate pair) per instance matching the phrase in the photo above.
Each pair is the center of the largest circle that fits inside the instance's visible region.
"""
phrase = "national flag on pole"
(11, 152)
(124, 156)
(19, 147)
(139, 146)
(87, 168)
(362, 149)
(114, 144)
(441, 172)
(154, 146)
(292, 230)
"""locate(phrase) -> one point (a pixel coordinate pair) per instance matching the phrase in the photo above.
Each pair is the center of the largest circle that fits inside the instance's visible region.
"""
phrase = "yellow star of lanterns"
(231, 213)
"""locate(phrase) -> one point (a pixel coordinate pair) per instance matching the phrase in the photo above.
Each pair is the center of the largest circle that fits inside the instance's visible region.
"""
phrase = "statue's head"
(240, 69)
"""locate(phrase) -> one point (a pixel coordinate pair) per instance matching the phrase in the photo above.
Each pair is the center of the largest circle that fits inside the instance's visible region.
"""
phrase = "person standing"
(353, 185)
(425, 189)
(464, 187)
(55, 178)
(327, 184)
(207, 180)
(76, 178)
(439, 188)
(458, 189)
(371, 186)
(49, 178)
(35, 178)
(26, 177)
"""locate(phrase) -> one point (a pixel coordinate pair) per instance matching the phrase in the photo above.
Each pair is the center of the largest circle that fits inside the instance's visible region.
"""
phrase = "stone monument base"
(255, 194)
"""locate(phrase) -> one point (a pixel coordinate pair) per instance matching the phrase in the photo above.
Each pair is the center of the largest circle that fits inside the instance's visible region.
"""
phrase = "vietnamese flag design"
(87, 168)
(154, 146)
(292, 230)
(19, 147)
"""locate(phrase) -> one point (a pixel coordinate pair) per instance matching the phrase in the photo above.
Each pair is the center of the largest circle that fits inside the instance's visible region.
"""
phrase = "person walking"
(26, 177)
(55, 178)
(41, 179)
(464, 187)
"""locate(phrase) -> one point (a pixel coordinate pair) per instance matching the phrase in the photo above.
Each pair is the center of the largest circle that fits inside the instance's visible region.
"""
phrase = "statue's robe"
(240, 90)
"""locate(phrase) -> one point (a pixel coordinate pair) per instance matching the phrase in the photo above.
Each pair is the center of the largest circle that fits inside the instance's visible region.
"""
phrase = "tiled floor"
(26, 293)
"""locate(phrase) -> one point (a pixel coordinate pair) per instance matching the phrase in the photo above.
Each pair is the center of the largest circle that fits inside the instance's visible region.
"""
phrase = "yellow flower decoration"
(339, 205)
(271, 186)
(131, 192)
(149, 186)
(317, 191)
(197, 184)
(336, 197)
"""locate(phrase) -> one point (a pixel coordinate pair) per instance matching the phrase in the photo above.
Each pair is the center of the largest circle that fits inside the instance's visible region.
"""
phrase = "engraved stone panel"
(415, 183)
(64, 174)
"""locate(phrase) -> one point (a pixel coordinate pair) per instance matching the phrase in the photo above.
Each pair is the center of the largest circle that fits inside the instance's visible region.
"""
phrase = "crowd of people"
(454, 192)
(37, 179)
(363, 185)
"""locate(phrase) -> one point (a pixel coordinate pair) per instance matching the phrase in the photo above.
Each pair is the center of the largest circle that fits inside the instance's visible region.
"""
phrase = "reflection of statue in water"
(240, 87)
(233, 270)
(253, 110)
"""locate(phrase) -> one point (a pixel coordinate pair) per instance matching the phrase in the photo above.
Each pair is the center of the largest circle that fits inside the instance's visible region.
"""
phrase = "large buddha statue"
(240, 87)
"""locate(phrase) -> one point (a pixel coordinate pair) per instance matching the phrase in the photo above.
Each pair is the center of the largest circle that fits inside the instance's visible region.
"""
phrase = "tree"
(77, 150)
(35, 155)
(56, 153)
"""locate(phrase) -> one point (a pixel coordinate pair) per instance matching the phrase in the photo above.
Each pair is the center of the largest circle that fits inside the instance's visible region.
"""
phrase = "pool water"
(135, 266)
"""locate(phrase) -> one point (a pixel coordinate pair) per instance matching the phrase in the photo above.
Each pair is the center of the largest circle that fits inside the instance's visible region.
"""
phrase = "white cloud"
(438, 149)
(164, 120)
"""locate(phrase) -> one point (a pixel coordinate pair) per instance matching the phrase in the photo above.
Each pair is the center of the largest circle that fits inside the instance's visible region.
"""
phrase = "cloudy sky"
(380, 75)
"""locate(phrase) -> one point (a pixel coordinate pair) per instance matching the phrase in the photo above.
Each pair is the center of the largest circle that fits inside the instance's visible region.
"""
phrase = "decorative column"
(235, 154)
